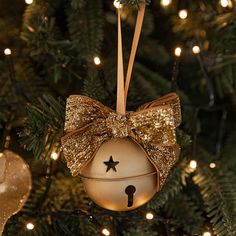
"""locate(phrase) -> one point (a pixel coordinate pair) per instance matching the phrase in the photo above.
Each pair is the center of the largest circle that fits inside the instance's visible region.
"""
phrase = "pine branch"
(173, 185)
(93, 86)
(228, 153)
(44, 127)
(186, 213)
(219, 195)
(87, 41)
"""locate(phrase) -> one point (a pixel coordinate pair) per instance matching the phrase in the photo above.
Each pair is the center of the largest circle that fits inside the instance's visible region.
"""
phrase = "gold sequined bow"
(89, 123)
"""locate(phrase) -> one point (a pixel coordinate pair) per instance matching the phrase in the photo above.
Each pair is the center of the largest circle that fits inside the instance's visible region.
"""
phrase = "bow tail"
(163, 158)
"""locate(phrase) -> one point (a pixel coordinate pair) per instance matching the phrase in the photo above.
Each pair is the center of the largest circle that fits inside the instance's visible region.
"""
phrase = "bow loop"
(155, 125)
(82, 110)
(171, 100)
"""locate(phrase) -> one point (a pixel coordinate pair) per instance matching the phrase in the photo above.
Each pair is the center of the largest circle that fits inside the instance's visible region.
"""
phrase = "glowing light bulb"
(1, 154)
(193, 164)
(105, 232)
(97, 60)
(224, 3)
(7, 51)
(117, 4)
(212, 165)
(165, 3)
(30, 226)
(28, 2)
(54, 156)
(206, 234)
(196, 49)
(149, 216)
(183, 14)
(178, 51)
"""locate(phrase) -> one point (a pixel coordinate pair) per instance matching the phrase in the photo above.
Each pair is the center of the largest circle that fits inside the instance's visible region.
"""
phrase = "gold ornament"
(120, 165)
(15, 186)
(89, 124)
(122, 157)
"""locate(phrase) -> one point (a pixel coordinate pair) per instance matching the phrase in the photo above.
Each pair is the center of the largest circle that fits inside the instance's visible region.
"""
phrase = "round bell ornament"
(123, 157)
(120, 177)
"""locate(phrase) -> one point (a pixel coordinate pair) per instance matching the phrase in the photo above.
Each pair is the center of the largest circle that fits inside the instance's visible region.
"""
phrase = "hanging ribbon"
(122, 90)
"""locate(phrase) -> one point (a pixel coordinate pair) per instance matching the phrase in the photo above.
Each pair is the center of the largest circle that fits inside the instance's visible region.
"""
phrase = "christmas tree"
(53, 49)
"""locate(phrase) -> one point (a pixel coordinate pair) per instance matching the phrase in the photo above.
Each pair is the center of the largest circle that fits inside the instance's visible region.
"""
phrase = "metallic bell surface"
(120, 177)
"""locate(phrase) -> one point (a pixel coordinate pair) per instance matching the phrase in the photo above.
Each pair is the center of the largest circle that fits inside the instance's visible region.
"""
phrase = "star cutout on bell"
(111, 164)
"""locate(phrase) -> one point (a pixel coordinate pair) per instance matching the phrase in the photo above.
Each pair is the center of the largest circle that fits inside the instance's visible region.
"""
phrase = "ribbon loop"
(122, 90)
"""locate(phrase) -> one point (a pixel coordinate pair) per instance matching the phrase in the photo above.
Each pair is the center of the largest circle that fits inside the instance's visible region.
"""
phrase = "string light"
(117, 4)
(165, 3)
(97, 60)
(54, 156)
(193, 164)
(224, 3)
(178, 51)
(212, 165)
(7, 51)
(206, 234)
(28, 2)
(183, 14)
(196, 49)
(30, 226)
(105, 232)
(149, 216)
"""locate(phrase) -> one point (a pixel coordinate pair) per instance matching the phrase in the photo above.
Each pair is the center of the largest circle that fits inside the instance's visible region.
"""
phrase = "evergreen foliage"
(53, 46)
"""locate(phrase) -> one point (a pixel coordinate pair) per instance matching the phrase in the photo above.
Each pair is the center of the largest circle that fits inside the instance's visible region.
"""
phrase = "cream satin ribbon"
(122, 90)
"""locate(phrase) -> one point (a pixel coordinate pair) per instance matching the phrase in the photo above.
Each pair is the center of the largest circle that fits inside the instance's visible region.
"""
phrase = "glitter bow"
(89, 123)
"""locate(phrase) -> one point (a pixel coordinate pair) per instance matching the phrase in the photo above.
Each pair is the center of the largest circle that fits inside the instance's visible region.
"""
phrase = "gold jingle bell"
(124, 158)
(120, 177)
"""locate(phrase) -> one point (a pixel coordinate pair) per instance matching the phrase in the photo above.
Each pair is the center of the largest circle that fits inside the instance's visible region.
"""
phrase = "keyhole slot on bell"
(130, 190)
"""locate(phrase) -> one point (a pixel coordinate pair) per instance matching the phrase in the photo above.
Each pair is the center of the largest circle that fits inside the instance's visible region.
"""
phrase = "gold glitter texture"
(89, 123)
(15, 187)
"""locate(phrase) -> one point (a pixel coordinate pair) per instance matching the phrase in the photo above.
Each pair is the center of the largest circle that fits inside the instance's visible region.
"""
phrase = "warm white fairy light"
(165, 3)
(28, 2)
(97, 60)
(183, 14)
(206, 234)
(212, 165)
(149, 216)
(7, 51)
(178, 51)
(30, 226)
(193, 164)
(117, 4)
(224, 3)
(54, 156)
(105, 232)
(196, 49)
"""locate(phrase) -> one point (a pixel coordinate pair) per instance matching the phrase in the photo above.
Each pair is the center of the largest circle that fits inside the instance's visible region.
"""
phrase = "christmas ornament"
(128, 183)
(122, 157)
(151, 132)
(15, 185)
